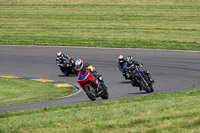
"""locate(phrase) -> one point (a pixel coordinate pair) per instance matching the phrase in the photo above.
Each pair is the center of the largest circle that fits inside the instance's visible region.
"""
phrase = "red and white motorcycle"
(93, 91)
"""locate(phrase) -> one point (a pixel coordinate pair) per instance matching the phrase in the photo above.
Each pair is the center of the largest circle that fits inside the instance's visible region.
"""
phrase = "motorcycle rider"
(129, 62)
(121, 62)
(128, 66)
(80, 66)
(61, 58)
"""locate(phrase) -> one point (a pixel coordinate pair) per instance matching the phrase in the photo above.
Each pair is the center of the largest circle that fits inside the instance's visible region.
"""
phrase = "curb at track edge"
(172, 50)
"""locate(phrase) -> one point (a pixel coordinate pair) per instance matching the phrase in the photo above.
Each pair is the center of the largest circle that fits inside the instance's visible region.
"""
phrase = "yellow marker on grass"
(9, 76)
(44, 80)
(63, 85)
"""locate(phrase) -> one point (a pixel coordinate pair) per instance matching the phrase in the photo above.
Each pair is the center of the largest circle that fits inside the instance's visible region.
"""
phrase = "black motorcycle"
(141, 78)
(68, 67)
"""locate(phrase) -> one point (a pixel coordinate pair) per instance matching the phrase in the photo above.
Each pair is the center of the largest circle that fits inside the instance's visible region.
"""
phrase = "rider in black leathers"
(128, 69)
(61, 58)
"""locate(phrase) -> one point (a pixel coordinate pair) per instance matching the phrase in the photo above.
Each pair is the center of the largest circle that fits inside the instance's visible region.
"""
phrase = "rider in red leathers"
(79, 64)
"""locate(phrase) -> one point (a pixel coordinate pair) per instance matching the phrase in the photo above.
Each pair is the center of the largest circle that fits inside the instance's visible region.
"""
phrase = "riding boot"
(97, 84)
(151, 79)
(148, 75)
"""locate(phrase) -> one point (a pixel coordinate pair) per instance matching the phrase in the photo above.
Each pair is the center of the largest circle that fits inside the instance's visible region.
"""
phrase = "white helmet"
(79, 64)
(59, 55)
(121, 58)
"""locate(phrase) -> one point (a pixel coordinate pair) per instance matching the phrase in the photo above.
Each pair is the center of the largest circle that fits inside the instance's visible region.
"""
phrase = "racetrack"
(171, 70)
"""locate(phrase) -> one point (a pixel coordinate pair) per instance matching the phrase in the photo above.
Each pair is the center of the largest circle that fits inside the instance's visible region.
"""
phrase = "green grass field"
(157, 24)
(15, 91)
(159, 113)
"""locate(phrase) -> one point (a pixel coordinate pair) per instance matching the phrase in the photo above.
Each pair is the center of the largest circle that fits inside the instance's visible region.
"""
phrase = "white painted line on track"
(78, 90)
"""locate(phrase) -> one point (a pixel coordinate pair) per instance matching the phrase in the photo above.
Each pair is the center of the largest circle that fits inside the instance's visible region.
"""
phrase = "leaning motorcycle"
(86, 81)
(142, 79)
(67, 67)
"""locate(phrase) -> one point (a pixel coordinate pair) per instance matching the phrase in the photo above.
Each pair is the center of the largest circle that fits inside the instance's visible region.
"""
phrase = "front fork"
(93, 90)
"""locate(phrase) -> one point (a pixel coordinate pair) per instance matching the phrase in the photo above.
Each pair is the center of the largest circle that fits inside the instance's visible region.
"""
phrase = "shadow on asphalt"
(125, 82)
(142, 92)
(71, 75)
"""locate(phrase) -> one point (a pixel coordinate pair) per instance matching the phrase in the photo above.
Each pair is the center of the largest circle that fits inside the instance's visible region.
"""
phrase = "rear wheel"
(65, 71)
(105, 94)
(90, 93)
(133, 82)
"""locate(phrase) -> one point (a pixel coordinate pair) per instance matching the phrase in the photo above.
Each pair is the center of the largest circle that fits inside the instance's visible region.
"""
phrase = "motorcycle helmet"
(59, 55)
(129, 59)
(79, 64)
(121, 58)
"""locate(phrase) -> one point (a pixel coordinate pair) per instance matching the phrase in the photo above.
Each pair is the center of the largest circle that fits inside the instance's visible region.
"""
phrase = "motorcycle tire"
(65, 72)
(90, 94)
(105, 94)
(144, 86)
(133, 82)
(150, 85)
(151, 88)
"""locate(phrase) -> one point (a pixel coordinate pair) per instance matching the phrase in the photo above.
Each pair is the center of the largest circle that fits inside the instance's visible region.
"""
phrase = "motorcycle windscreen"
(83, 74)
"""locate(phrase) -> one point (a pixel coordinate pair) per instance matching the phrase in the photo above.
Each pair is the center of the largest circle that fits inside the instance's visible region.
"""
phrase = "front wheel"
(151, 88)
(144, 86)
(105, 94)
(90, 93)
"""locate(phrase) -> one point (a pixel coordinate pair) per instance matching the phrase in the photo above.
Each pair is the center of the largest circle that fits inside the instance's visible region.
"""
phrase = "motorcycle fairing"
(83, 75)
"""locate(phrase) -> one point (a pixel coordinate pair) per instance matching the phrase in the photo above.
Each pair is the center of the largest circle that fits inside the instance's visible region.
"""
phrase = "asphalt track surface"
(172, 70)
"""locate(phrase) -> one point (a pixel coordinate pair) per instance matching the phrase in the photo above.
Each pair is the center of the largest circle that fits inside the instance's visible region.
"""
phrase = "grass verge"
(16, 91)
(157, 24)
(167, 112)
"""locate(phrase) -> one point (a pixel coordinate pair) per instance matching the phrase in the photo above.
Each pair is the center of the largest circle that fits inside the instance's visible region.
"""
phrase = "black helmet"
(129, 59)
